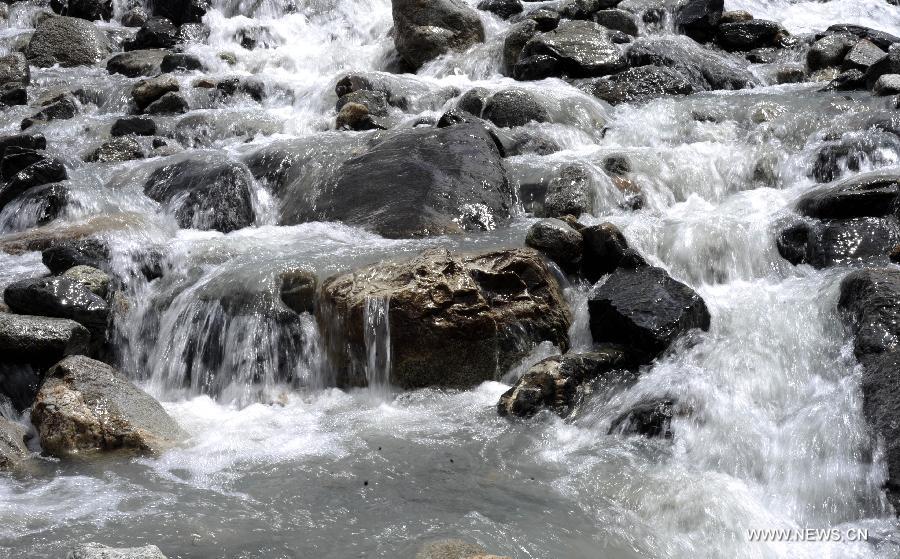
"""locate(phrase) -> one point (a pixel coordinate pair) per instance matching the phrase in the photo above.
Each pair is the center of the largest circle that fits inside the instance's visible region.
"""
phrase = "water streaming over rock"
(282, 465)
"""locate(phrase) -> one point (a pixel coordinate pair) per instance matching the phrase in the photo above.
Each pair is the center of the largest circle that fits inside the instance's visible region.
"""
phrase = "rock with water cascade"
(42, 171)
(704, 69)
(501, 8)
(84, 405)
(699, 19)
(644, 309)
(58, 297)
(416, 183)
(70, 253)
(452, 320)
(618, 20)
(12, 444)
(580, 49)
(650, 419)
(425, 30)
(204, 193)
(514, 107)
(66, 41)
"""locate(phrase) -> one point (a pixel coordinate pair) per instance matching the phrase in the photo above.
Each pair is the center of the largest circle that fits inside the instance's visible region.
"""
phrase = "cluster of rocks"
(858, 58)
(637, 311)
(52, 331)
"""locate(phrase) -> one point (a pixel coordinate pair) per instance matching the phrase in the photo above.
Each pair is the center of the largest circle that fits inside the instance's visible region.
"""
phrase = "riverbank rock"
(12, 445)
(205, 193)
(66, 41)
(644, 309)
(86, 406)
(415, 183)
(870, 302)
(425, 30)
(560, 383)
(454, 320)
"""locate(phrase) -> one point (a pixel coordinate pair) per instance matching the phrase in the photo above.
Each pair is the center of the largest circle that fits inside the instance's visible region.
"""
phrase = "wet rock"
(157, 33)
(133, 126)
(545, 19)
(46, 202)
(40, 340)
(888, 84)
(889, 64)
(135, 17)
(375, 101)
(790, 73)
(516, 38)
(96, 281)
(870, 298)
(863, 55)
(58, 297)
(525, 142)
(419, 182)
(651, 419)
(298, 290)
(645, 309)
(558, 383)
(581, 49)
(14, 69)
(180, 62)
(87, 406)
(172, 103)
(65, 255)
(871, 194)
(98, 551)
(503, 9)
(619, 20)
(735, 16)
(149, 90)
(424, 31)
(84, 9)
(839, 241)
(25, 141)
(879, 38)
(12, 445)
(571, 193)
(455, 320)
(66, 41)
(181, 12)
(251, 87)
(829, 51)
(117, 150)
(45, 171)
(356, 116)
(61, 107)
(15, 159)
(190, 33)
(748, 35)
(135, 63)
(605, 250)
(450, 549)
(558, 241)
(205, 194)
(640, 84)
(699, 19)
(704, 69)
(536, 67)
(514, 107)
(847, 81)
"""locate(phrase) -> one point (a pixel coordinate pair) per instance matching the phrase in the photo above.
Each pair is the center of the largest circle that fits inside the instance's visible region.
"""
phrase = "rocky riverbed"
(449, 278)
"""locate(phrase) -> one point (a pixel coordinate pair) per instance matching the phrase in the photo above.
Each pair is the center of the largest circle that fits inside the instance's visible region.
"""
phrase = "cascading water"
(280, 464)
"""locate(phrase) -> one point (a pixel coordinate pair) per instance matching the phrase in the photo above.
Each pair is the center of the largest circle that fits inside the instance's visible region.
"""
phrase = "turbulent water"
(296, 469)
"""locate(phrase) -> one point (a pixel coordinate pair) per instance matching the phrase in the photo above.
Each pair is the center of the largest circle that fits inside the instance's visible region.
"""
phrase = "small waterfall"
(378, 343)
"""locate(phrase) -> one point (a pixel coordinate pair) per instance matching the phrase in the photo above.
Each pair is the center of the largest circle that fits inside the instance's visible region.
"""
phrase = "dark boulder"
(871, 300)
(645, 309)
(180, 62)
(26, 141)
(503, 9)
(822, 244)
(157, 33)
(650, 419)
(45, 203)
(117, 150)
(516, 38)
(847, 81)
(862, 56)
(84, 9)
(133, 126)
(42, 172)
(871, 194)
(583, 9)
(375, 101)
(749, 35)
(570, 193)
(135, 17)
(87, 406)
(60, 107)
(40, 340)
(455, 320)
(640, 84)
(545, 19)
(135, 63)
(171, 103)
(581, 49)
(703, 68)
(181, 11)
(829, 51)
(558, 241)
(699, 19)
(881, 39)
(425, 30)
(58, 297)
(82, 252)
(16, 159)
(514, 107)
(66, 41)
(605, 250)
(205, 194)
(419, 182)
(618, 20)
(298, 290)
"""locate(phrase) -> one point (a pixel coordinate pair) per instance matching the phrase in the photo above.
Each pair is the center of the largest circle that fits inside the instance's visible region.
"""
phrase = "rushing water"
(280, 466)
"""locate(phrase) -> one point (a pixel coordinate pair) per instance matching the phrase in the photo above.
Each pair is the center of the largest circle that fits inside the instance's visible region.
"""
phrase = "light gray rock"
(887, 84)
(12, 444)
(40, 339)
(99, 551)
(97, 281)
(87, 406)
(66, 41)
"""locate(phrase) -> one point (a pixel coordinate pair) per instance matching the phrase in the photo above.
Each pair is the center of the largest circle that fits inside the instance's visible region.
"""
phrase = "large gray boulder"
(85, 406)
(426, 29)
(39, 339)
(99, 551)
(704, 69)
(452, 320)
(580, 48)
(415, 183)
(66, 41)
(206, 194)
(12, 444)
